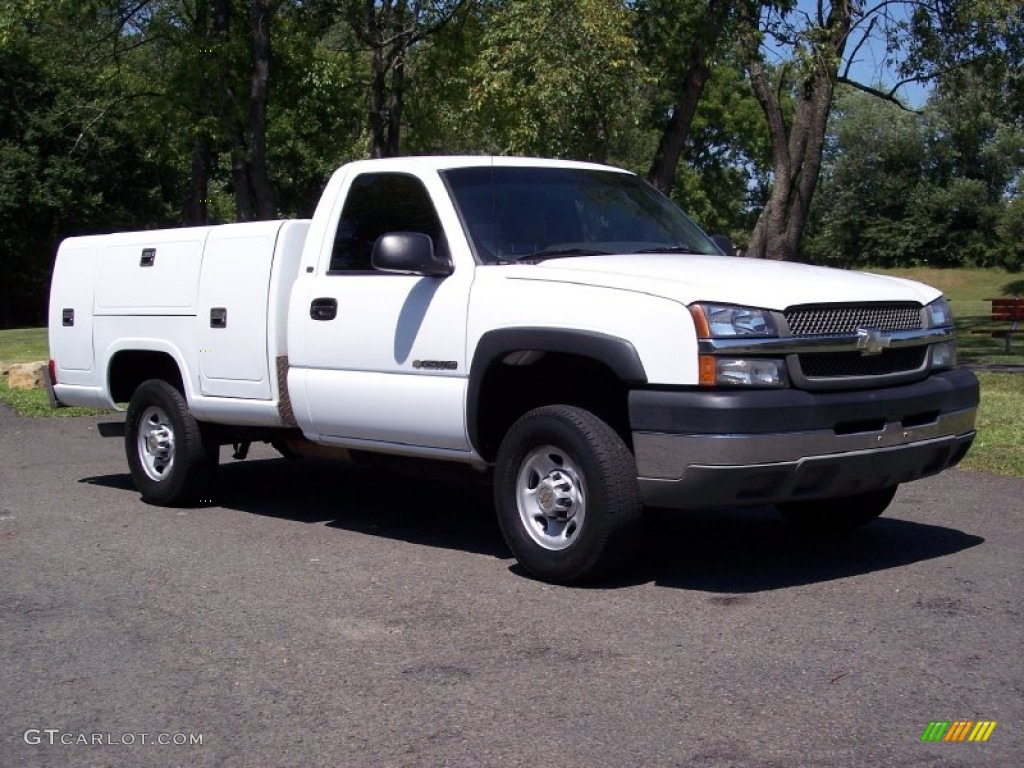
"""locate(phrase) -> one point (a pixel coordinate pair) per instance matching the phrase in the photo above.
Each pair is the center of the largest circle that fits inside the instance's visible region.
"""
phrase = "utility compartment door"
(71, 296)
(149, 273)
(233, 303)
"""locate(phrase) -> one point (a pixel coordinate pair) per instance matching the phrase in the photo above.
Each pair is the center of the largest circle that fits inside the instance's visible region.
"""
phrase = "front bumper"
(701, 449)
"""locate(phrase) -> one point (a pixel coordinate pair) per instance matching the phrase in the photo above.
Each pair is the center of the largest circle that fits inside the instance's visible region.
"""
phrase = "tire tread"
(195, 456)
(613, 539)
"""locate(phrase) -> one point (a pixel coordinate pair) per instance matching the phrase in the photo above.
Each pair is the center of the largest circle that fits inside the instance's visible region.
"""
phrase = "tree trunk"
(371, 34)
(260, 14)
(196, 211)
(197, 206)
(395, 106)
(240, 179)
(254, 196)
(796, 149)
(378, 89)
(389, 29)
(687, 97)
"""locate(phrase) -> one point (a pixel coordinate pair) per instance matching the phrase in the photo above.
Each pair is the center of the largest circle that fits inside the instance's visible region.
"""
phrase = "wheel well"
(510, 389)
(130, 368)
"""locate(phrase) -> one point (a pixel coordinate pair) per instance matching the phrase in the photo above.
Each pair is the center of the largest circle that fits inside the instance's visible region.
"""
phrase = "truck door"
(384, 355)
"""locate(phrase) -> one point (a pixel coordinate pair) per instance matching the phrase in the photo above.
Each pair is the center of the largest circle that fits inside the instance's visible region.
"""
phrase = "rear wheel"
(835, 515)
(171, 461)
(566, 495)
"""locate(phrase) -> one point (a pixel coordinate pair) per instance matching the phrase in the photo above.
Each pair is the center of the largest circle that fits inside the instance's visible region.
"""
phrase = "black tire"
(837, 515)
(171, 462)
(566, 495)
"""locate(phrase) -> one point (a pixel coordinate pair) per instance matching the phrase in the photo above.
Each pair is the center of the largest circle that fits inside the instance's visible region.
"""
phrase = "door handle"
(219, 317)
(323, 309)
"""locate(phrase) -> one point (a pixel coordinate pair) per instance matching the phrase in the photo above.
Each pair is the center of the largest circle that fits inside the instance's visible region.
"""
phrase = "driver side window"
(378, 203)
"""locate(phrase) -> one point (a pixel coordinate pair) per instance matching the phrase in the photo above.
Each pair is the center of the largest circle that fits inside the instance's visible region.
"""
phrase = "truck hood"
(725, 279)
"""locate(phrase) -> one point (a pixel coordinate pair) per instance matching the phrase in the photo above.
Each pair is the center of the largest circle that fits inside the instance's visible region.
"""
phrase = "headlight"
(722, 321)
(943, 355)
(725, 321)
(742, 372)
(939, 314)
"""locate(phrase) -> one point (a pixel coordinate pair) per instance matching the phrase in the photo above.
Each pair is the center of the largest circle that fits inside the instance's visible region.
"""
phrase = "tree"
(555, 77)
(222, 80)
(796, 143)
(438, 113)
(876, 160)
(1010, 229)
(934, 187)
(389, 30)
(71, 159)
(724, 178)
(316, 113)
(923, 40)
(680, 40)
(251, 145)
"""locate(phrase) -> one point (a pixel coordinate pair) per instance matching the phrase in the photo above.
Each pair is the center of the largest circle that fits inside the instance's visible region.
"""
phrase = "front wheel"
(171, 462)
(566, 495)
(837, 515)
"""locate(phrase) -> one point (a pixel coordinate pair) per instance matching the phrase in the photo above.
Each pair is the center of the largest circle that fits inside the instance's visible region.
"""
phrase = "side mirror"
(724, 244)
(408, 253)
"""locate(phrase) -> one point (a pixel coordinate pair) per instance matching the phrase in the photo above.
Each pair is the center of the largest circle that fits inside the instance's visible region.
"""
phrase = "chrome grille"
(834, 319)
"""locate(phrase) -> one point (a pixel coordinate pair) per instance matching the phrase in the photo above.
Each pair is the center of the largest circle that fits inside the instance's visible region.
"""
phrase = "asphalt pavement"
(320, 614)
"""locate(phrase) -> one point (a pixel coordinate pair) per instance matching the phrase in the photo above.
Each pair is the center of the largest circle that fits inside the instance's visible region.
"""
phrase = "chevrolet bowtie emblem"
(871, 341)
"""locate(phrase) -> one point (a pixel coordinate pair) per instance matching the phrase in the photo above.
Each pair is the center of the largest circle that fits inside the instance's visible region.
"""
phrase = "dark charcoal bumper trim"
(815, 477)
(744, 412)
(717, 449)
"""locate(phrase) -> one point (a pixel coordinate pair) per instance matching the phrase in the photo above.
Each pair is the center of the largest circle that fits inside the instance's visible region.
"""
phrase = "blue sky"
(870, 63)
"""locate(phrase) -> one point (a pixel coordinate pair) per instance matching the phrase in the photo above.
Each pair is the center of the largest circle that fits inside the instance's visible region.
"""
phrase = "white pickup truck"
(561, 324)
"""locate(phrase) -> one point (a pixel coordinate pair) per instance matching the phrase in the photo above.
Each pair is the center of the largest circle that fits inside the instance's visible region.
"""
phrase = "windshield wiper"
(552, 253)
(670, 249)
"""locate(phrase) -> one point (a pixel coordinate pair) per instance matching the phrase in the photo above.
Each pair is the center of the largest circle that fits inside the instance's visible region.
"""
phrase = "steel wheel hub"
(156, 443)
(551, 499)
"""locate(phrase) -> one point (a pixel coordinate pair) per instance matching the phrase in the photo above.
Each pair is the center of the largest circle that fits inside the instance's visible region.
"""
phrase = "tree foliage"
(71, 158)
(938, 187)
(552, 77)
(128, 114)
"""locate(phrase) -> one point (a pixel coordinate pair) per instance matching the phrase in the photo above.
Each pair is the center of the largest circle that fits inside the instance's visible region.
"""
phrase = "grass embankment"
(998, 448)
(25, 345)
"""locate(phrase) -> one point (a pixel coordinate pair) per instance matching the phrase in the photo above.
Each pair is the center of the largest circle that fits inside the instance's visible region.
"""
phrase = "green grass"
(34, 403)
(26, 345)
(966, 285)
(1000, 444)
(23, 345)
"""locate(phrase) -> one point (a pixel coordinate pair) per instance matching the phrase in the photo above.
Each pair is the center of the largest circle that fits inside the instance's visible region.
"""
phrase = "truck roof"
(445, 162)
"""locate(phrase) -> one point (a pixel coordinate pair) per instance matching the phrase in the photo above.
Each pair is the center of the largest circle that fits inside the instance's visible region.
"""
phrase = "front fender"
(619, 355)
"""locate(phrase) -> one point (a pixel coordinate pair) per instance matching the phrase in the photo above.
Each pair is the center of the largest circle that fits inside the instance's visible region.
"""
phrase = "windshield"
(531, 214)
